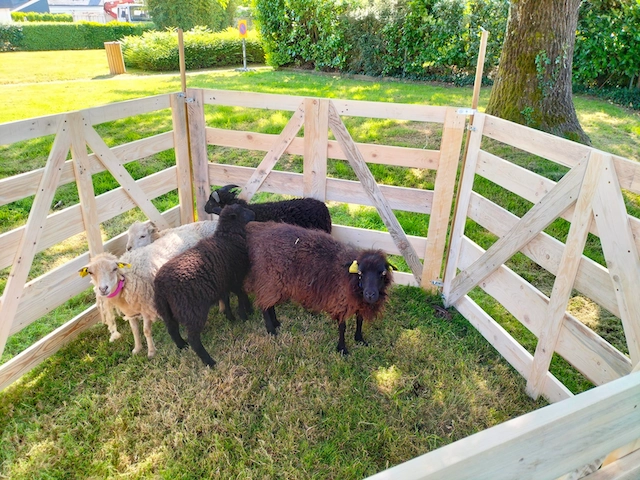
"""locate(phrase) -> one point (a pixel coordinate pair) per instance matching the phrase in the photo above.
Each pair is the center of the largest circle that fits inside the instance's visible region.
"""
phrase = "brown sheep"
(320, 273)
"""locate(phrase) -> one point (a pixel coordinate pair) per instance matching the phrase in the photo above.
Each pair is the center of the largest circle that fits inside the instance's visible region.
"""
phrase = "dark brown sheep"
(320, 273)
(187, 285)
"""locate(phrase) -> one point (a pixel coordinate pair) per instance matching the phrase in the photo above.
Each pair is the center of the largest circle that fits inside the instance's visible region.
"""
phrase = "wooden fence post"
(316, 139)
(198, 148)
(183, 160)
(450, 150)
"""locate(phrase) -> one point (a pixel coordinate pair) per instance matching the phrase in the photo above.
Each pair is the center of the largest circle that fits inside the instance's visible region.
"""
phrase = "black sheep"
(320, 273)
(305, 212)
(187, 285)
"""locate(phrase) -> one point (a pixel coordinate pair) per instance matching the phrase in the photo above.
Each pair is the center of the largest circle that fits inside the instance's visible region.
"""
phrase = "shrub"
(10, 36)
(74, 36)
(187, 14)
(41, 17)
(158, 51)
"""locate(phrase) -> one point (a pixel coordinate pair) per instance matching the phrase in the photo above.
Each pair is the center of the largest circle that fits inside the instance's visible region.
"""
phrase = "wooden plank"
(626, 468)
(543, 444)
(372, 153)
(20, 130)
(365, 238)
(450, 150)
(590, 354)
(198, 148)
(368, 182)
(620, 252)
(47, 346)
(628, 173)
(557, 149)
(534, 221)
(273, 155)
(27, 247)
(84, 182)
(351, 108)
(316, 130)
(508, 347)
(183, 161)
(564, 281)
(346, 191)
(465, 188)
(24, 185)
(115, 167)
(55, 287)
(592, 279)
(68, 222)
(522, 182)
(128, 108)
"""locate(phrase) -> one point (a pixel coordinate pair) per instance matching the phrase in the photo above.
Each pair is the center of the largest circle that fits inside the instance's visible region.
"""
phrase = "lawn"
(285, 407)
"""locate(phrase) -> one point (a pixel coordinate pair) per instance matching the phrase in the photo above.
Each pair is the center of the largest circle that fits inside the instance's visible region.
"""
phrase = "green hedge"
(41, 17)
(158, 51)
(73, 36)
(10, 36)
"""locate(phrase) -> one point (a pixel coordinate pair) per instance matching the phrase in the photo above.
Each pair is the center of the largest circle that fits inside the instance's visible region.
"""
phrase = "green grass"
(288, 407)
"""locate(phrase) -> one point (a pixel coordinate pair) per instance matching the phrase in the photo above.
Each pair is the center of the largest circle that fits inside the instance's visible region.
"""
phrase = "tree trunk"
(533, 85)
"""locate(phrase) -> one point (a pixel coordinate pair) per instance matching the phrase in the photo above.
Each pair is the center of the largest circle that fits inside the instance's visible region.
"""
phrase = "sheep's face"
(221, 197)
(140, 235)
(371, 275)
(105, 272)
(236, 213)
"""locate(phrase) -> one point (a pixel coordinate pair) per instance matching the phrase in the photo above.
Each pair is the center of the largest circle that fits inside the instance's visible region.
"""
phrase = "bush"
(158, 51)
(10, 36)
(73, 36)
(187, 14)
(423, 39)
(41, 17)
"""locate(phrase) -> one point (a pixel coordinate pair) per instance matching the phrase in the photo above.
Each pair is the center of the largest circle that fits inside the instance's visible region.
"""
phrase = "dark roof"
(41, 6)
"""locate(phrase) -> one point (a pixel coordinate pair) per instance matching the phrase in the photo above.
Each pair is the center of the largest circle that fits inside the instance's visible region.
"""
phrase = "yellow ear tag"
(392, 267)
(83, 272)
(124, 265)
(354, 267)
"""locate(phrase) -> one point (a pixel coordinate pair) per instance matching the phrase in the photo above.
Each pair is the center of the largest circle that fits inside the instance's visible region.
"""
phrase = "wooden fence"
(589, 196)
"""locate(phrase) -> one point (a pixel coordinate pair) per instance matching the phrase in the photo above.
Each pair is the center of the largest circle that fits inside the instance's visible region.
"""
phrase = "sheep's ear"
(124, 265)
(83, 272)
(353, 268)
(215, 196)
(391, 266)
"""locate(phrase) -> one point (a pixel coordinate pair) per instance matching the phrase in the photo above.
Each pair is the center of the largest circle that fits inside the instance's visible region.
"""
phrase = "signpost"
(242, 30)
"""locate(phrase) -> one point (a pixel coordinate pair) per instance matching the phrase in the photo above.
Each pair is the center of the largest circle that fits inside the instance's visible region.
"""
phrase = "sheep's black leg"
(174, 330)
(227, 308)
(244, 305)
(196, 344)
(342, 347)
(358, 336)
(270, 320)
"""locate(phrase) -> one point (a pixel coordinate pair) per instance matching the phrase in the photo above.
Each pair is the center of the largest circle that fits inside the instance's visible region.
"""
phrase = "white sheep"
(141, 234)
(125, 285)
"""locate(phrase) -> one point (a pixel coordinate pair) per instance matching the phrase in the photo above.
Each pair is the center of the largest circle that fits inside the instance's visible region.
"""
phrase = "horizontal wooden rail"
(381, 154)
(68, 222)
(20, 130)
(24, 185)
(540, 445)
(348, 191)
(590, 354)
(351, 108)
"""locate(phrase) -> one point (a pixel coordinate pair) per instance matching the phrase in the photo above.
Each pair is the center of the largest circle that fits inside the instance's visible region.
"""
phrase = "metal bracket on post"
(466, 111)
